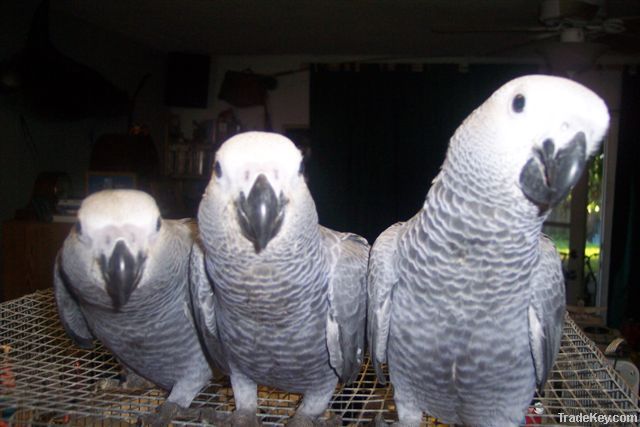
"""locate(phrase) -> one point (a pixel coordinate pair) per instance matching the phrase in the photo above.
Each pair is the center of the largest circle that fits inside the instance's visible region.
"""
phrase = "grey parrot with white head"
(122, 277)
(467, 299)
(284, 296)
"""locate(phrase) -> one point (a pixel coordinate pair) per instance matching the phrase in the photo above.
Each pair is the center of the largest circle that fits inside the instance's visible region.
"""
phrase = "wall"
(288, 104)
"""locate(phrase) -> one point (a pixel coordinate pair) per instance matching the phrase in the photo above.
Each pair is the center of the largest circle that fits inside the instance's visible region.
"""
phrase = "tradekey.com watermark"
(601, 419)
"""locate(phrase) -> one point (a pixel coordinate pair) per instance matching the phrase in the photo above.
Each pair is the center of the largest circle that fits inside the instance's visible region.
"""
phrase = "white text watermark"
(594, 417)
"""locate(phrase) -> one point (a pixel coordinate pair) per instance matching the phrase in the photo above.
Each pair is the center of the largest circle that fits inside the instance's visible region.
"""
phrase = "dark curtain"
(624, 279)
(379, 136)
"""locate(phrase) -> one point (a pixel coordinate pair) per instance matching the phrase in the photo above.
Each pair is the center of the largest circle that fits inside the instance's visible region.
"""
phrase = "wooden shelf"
(189, 160)
(29, 250)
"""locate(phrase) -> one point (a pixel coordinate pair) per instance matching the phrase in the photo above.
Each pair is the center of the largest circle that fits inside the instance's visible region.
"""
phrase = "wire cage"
(47, 381)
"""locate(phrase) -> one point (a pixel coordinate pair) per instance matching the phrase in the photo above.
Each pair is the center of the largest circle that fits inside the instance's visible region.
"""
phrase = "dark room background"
(624, 280)
(380, 132)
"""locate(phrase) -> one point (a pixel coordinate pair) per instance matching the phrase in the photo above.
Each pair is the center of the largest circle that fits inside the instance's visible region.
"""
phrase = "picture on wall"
(97, 181)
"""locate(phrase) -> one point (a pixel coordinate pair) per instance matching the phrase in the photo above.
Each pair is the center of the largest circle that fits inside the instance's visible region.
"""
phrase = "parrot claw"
(211, 416)
(300, 420)
(241, 419)
(168, 411)
(163, 415)
(379, 421)
(108, 384)
(332, 421)
(132, 382)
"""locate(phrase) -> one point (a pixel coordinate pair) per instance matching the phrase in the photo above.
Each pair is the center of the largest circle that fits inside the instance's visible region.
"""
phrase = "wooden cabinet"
(29, 250)
(189, 161)
(186, 168)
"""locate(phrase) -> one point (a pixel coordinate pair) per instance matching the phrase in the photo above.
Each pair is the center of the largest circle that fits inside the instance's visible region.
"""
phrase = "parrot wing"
(203, 307)
(346, 317)
(382, 278)
(69, 311)
(546, 310)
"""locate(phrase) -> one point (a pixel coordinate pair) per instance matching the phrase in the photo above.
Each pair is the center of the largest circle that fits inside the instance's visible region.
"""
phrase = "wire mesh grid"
(46, 380)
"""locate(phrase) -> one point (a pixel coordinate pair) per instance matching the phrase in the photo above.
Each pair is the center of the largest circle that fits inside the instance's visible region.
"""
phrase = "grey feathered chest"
(271, 310)
(459, 319)
(152, 334)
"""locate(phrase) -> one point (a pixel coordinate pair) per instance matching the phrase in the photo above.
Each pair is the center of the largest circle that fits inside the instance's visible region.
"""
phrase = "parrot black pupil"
(518, 103)
(218, 169)
(158, 224)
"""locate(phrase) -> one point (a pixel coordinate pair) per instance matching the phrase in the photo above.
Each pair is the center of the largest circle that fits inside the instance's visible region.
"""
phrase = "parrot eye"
(301, 169)
(217, 169)
(158, 224)
(518, 103)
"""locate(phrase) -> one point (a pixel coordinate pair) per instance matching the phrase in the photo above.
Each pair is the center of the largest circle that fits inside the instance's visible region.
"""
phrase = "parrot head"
(118, 227)
(543, 129)
(257, 174)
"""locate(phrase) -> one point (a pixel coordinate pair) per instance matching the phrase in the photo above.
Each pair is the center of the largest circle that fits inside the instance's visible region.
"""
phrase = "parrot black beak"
(260, 215)
(121, 272)
(549, 175)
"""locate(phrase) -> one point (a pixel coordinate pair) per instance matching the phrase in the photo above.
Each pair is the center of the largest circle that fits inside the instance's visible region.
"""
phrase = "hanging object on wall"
(125, 153)
(48, 188)
(247, 89)
(227, 125)
(187, 83)
(54, 85)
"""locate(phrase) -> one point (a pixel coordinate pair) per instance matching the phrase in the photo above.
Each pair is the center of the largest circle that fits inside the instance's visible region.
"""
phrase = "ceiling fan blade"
(468, 30)
(624, 43)
(513, 46)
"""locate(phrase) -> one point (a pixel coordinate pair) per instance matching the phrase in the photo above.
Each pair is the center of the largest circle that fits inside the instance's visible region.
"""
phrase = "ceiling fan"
(573, 34)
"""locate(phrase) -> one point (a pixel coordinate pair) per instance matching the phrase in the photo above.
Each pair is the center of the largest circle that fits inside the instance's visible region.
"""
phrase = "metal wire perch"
(45, 380)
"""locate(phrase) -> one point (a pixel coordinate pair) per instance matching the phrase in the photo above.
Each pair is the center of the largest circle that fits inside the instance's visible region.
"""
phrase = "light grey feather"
(203, 306)
(347, 305)
(383, 276)
(546, 312)
(71, 317)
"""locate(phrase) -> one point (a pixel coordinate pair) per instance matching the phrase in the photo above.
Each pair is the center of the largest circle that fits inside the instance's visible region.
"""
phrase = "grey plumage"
(122, 277)
(288, 296)
(466, 299)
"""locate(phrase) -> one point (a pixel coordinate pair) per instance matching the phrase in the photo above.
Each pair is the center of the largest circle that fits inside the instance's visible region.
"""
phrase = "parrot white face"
(543, 107)
(258, 174)
(540, 131)
(118, 227)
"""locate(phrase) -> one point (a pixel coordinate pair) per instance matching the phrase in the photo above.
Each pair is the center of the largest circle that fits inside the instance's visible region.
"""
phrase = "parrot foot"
(163, 415)
(379, 421)
(300, 420)
(242, 419)
(108, 384)
(168, 411)
(131, 382)
(211, 416)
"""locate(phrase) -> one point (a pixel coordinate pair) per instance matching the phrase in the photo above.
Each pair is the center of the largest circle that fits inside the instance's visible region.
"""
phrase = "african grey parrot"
(122, 277)
(466, 299)
(285, 297)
